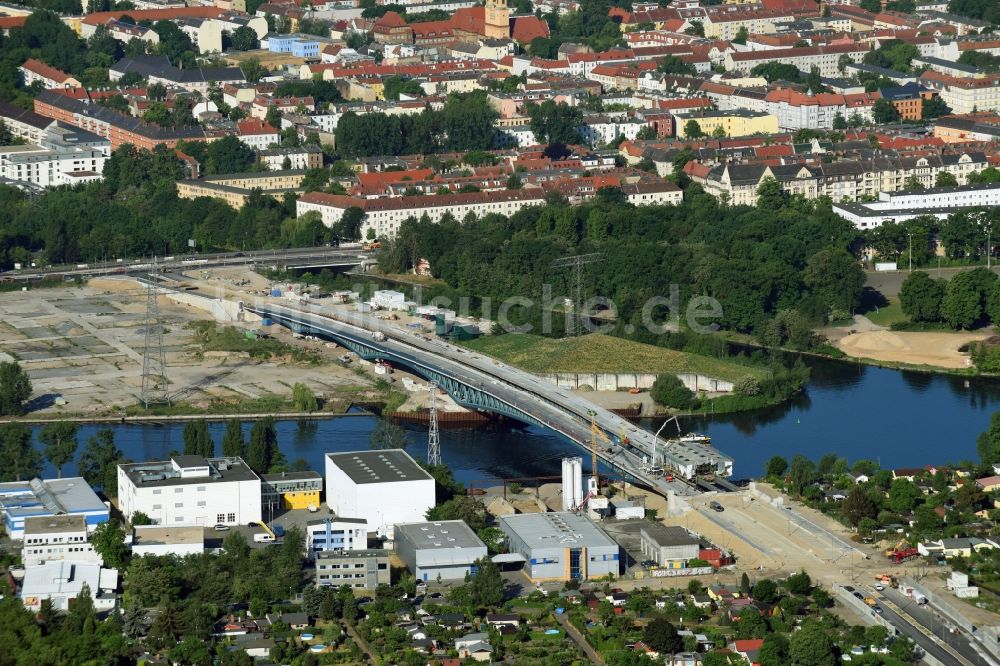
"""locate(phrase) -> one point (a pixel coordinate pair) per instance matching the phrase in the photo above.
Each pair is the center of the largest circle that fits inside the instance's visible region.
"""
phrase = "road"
(938, 637)
(345, 255)
(549, 405)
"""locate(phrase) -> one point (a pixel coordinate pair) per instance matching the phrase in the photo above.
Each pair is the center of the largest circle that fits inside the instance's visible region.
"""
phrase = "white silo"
(572, 483)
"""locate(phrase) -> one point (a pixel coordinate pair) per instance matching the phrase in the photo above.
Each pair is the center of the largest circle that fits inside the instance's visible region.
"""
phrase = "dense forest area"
(786, 261)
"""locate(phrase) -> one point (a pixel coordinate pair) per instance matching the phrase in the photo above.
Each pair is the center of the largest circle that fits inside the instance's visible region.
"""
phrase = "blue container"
(560, 611)
(276, 292)
(265, 322)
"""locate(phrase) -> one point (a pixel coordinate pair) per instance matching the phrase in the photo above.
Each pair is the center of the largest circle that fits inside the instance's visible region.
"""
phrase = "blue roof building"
(52, 497)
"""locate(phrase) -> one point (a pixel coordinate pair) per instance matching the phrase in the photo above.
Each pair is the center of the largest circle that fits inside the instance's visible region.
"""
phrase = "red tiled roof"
(254, 126)
(41, 69)
(100, 18)
(8, 22)
(390, 20)
(524, 29)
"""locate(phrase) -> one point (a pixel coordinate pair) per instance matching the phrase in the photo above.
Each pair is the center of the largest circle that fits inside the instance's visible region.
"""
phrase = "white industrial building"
(939, 202)
(57, 539)
(171, 540)
(382, 487)
(20, 500)
(63, 581)
(336, 534)
(191, 490)
(445, 550)
(560, 546)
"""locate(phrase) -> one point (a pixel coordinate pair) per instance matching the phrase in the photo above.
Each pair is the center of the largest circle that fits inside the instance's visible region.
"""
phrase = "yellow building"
(291, 490)
(739, 122)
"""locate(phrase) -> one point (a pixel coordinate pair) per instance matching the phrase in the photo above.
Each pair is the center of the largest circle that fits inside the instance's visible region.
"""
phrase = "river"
(897, 418)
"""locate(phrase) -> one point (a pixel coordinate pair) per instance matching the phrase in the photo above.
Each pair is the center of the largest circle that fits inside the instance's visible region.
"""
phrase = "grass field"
(887, 315)
(602, 353)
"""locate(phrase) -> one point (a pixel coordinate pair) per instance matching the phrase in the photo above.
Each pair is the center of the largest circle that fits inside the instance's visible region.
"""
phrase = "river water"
(898, 418)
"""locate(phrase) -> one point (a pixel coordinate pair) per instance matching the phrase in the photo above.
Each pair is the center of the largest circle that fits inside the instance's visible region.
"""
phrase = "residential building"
(20, 500)
(64, 156)
(901, 206)
(62, 582)
(191, 490)
(825, 58)
(384, 216)
(439, 550)
(739, 122)
(157, 69)
(305, 156)
(257, 134)
(669, 546)
(26, 125)
(291, 490)
(170, 540)
(35, 71)
(337, 533)
(60, 538)
(383, 487)
(965, 95)
(560, 546)
(358, 569)
(235, 188)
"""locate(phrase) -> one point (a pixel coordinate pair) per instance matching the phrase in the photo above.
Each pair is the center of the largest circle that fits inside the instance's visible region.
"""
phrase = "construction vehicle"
(904, 555)
(871, 601)
(901, 544)
(368, 247)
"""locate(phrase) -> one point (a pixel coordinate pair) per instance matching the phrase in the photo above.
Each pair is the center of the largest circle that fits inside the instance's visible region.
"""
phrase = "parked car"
(648, 564)
(715, 506)
(877, 609)
(859, 596)
(849, 588)
(221, 528)
(880, 587)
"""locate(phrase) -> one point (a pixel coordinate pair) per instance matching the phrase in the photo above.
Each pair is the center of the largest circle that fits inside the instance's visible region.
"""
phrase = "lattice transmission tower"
(433, 436)
(577, 263)
(154, 367)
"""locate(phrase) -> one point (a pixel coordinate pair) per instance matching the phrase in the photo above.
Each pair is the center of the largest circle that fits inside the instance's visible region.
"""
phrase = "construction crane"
(595, 480)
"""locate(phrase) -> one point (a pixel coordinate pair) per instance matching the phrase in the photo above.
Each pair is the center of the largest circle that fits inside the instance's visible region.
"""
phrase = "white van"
(263, 537)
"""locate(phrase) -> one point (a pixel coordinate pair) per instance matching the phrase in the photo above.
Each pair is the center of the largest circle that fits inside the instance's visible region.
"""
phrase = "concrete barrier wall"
(623, 381)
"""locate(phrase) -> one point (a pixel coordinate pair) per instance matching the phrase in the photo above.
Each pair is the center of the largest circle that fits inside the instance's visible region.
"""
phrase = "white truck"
(378, 336)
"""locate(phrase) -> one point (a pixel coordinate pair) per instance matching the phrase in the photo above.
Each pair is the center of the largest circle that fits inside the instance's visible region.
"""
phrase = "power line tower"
(577, 263)
(433, 436)
(154, 366)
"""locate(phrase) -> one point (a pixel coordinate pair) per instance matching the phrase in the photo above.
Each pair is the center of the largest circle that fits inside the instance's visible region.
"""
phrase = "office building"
(62, 582)
(560, 546)
(291, 490)
(441, 550)
(57, 539)
(336, 534)
(384, 488)
(191, 490)
(20, 500)
(358, 569)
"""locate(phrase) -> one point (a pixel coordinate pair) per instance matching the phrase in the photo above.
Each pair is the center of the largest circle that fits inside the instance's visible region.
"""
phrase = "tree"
(920, 296)
(134, 619)
(252, 69)
(109, 542)
(673, 65)
(945, 179)
(774, 651)
(858, 505)
(81, 611)
(751, 624)
(811, 646)
(553, 122)
(460, 507)
(913, 184)
(883, 112)
(197, 439)
(233, 443)
(191, 650)
(18, 458)
(59, 442)
(934, 107)
(304, 398)
(669, 390)
(988, 443)
(799, 583)
(486, 586)
(964, 298)
(835, 277)
(244, 39)
(770, 196)
(99, 460)
(776, 467)
(662, 636)
(839, 122)
(263, 448)
(741, 35)
(777, 71)
(692, 130)
(15, 388)
(387, 435)
(903, 495)
(765, 591)
(228, 155)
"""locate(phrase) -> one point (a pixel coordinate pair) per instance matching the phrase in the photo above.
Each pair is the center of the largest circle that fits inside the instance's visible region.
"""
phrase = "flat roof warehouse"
(378, 466)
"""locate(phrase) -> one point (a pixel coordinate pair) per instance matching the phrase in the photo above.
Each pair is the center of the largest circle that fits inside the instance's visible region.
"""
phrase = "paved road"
(551, 406)
(890, 283)
(345, 255)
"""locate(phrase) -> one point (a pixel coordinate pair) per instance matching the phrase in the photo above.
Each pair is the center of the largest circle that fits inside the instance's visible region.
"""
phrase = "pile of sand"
(937, 349)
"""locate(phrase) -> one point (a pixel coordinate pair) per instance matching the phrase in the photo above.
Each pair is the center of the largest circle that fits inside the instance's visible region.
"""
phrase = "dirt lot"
(84, 345)
(936, 349)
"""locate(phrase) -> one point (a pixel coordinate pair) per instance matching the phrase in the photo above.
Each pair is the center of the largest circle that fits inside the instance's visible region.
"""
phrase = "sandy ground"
(936, 349)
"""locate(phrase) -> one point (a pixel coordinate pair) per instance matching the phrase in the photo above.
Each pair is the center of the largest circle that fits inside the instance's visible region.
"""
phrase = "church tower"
(497, 19)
